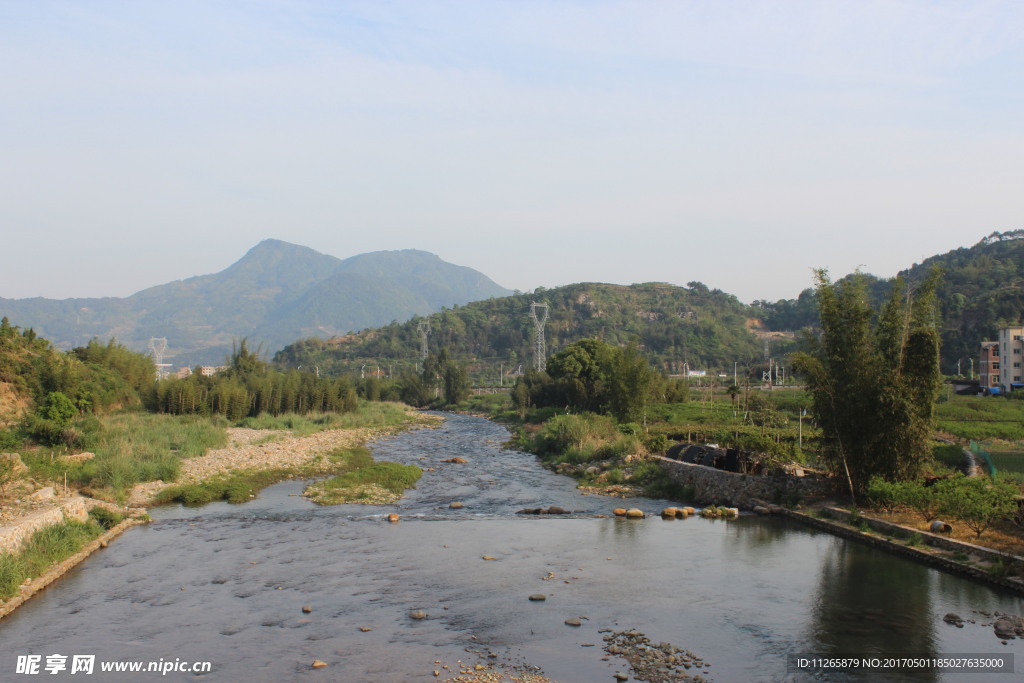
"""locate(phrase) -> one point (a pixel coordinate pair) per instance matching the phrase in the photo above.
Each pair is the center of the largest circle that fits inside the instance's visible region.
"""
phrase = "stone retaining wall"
(742, 490)
(13, 536)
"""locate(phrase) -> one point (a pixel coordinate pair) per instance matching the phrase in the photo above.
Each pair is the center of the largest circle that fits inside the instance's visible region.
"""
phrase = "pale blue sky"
(737, 143)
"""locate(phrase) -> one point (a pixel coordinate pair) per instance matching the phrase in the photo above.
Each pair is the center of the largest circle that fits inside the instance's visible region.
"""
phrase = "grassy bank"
(132, 448)
(47, 547)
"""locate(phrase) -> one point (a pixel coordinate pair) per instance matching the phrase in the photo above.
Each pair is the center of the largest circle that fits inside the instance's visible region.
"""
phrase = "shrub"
(925, 500)
(884, 494)
(977, 501)
(107, 519)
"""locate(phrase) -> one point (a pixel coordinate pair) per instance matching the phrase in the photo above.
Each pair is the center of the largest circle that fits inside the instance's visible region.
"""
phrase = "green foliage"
(977, 501)
(456, 383)
(579, 433)
(926, 501)
(250, 388)
(914, 540)
(885, 494)
(593, 376)
(237, 487)
(107, 519)
(58, 408)
(874, 385)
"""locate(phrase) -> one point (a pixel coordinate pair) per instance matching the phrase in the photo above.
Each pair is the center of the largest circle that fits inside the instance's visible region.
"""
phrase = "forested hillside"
(675, 327)
(982, 289)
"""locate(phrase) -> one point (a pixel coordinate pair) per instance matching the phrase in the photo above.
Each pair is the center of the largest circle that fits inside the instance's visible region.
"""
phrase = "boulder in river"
(455, 505)
(538, 597)
(1008, 627)
(318, 664)
(954, 619)
(669, 513)
(619, 512)
(393, 517)
(635, 513)
(456, 460)
(555, 510)
(418, 615)
(573, 621)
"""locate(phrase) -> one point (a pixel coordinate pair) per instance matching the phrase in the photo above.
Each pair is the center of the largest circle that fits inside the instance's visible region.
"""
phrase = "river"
(226, 584)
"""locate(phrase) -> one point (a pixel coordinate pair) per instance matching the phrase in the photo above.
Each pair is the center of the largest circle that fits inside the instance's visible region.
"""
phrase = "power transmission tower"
(157, 346)
(540, 349)
(424, 329)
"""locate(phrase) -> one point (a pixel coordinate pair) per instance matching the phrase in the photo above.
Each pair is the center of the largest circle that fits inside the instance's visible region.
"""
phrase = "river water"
(226, 584)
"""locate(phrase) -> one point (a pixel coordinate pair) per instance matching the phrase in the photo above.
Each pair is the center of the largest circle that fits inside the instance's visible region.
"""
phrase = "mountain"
(676, 327)
(276, 293)
(982, 289)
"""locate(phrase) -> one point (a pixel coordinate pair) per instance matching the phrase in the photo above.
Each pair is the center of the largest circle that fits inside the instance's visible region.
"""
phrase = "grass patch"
(132, 448)
(48, 546)
(238, 487)
(244, 485)
(379, 482)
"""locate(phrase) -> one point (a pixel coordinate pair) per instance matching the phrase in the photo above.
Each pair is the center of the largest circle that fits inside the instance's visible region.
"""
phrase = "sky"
(740, 144)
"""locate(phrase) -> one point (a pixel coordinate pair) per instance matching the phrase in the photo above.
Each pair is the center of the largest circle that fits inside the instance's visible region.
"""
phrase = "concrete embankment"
(58, 570)
(894, 536)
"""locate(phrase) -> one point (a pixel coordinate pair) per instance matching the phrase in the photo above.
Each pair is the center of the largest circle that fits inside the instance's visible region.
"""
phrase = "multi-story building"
(990, 365)
(1011, 357)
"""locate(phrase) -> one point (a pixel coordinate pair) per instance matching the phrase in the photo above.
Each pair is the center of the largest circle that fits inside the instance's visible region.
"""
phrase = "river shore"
(248, 450)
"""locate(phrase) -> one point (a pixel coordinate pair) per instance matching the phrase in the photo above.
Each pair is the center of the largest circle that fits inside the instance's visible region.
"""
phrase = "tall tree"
(874, 384)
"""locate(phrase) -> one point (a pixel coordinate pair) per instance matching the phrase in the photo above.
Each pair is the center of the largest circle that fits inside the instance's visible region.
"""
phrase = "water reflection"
(866, 604)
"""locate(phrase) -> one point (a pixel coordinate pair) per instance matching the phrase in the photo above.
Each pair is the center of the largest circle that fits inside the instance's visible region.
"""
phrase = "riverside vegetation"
(104, 399)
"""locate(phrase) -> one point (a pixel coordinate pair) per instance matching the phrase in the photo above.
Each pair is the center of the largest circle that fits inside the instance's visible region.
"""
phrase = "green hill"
(982, 290)
(677, 327)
